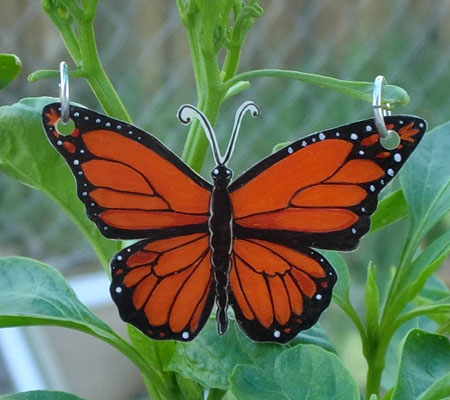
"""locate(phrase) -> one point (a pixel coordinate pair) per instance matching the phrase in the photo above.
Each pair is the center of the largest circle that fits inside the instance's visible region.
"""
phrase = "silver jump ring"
(378, 111)
(64, 92)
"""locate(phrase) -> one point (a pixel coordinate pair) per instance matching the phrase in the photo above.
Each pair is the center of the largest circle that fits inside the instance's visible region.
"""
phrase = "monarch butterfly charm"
(247, 243)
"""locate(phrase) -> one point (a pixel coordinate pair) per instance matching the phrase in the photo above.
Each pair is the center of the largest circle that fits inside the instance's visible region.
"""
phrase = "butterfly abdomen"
(220, 223)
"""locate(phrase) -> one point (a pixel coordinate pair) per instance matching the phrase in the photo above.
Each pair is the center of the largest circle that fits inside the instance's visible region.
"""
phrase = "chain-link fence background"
(145, 52)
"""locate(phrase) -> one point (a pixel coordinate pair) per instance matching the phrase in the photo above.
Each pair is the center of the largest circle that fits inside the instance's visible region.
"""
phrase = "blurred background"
(145, 52)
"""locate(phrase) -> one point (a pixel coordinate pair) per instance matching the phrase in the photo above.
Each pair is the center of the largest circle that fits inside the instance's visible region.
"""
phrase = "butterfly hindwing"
(277, 291)
(165, 286)
(131, 184)
(321, 190)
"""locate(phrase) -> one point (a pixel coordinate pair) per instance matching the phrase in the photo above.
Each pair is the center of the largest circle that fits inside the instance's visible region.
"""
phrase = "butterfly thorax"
(220, 227)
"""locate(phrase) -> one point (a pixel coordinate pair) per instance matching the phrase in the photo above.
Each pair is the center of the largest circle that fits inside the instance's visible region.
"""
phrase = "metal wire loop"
(378, 111)
(64, 92)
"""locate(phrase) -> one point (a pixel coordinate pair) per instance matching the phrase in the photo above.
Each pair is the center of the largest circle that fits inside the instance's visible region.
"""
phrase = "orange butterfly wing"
(165, 287)
(317, 192)
(132, 185)
(321, 190)
(276, 291)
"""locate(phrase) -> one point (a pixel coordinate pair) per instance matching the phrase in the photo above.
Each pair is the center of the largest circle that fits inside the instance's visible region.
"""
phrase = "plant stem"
(96, 75)
(359, 90)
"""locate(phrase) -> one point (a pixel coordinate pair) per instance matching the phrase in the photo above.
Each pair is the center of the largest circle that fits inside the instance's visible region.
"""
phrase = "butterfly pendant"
(248, 243)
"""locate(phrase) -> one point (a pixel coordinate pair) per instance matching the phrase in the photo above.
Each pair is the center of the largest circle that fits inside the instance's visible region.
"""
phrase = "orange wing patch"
(183, 194)
(168, 283)
(302, 220)
(308, 166)
(329, 196)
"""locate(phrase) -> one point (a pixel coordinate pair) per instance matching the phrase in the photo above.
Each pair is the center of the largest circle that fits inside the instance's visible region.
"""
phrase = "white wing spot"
(97, 120)
(119, 258)
(361, 152)
(363, 209)
(128, 250)
(80, 172)
(84, 194)
(353, 136)
(397, 157)
(382, 181)
(130, 132)
(82, 151)
(77, 114)
(105, 228)
(304, 144)
(59, 143)
(185, 335)
(139, 138)
(76, 162)
(321, 136)
(118, 289)
(400, 122)
(119, 126)
(368, 128)
(108, 124)
(390, 172)
(319, 296)
(86, 118)
(215, 171)
(276, 334)
(338, 134)
(372, 188)
(313, 139)
(92, 204)
(353, 230)
(421, 125)
(290, 150)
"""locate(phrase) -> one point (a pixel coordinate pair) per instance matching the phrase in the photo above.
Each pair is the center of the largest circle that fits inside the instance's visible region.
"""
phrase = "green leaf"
(41, 395)
(304, 372)
(420, 271)
(210, 358)
(425, 180)
(10, 66)
(32, 293)
(391, 209)
(157, 355)
(26, 155)
(372, 299)
(424, 371)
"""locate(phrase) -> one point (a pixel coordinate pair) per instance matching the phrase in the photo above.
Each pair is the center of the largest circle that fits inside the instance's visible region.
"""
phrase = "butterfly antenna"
(246, 106)
(185, 114)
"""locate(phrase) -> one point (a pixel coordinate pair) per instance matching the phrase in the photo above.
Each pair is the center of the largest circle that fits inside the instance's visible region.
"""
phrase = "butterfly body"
(220, 225)
(248, 243)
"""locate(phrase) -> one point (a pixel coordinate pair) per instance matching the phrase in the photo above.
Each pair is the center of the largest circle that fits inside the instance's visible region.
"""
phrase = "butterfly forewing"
(321, 190)
(131, 184)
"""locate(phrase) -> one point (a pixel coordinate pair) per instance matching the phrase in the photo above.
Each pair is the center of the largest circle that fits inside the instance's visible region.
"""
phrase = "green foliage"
(10, 67)
(41, 395)
(317, 375)
(232, 366)
(424, 368)
(202, 358)
(391, 209)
